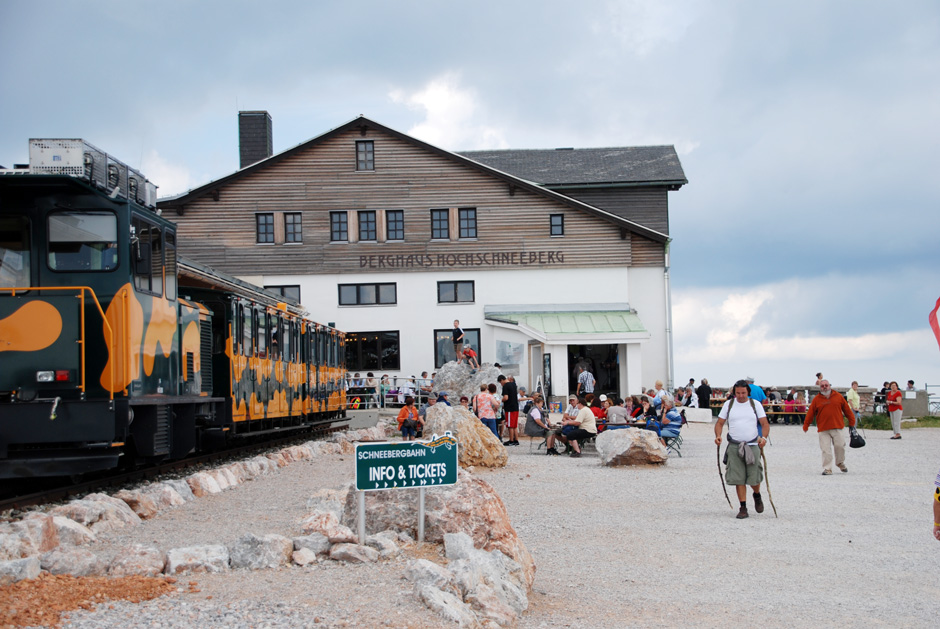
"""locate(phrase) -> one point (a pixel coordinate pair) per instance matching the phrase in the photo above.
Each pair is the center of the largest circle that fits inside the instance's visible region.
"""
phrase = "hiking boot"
(843, 468)
(827, 473)
(758, 504)
(742, 513)
(575, 454)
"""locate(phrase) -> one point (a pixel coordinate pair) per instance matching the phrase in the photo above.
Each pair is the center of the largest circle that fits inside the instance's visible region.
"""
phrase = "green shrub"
(875, 422)
(883, 422)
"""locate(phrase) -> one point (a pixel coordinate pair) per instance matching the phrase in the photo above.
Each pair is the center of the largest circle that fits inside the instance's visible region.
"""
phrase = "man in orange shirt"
(828, 409)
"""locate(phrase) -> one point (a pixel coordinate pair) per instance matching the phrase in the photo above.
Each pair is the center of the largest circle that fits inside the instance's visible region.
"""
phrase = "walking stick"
(721, 476)
(767, 482)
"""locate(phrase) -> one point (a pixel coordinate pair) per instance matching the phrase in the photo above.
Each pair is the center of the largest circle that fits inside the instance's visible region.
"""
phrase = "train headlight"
(59, 375)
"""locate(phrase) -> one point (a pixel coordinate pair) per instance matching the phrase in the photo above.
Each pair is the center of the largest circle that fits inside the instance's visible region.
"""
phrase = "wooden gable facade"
(298, 192)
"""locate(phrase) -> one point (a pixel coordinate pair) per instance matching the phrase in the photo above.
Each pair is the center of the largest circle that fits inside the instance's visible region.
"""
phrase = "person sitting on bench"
(575, 430)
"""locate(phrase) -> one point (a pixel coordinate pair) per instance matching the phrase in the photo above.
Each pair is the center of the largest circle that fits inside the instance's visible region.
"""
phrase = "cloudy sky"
(809, 131)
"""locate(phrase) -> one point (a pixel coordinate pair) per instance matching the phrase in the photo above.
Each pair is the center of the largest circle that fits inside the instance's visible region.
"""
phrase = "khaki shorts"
(739, 472)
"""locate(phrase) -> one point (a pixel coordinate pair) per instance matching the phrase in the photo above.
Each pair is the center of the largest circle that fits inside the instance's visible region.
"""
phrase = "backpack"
(528, 407)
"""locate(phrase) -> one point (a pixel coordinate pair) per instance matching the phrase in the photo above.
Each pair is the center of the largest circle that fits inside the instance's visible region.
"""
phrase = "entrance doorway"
(600, 360)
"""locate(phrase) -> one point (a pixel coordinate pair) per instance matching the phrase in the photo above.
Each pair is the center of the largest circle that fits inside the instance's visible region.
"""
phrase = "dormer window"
(365, 155)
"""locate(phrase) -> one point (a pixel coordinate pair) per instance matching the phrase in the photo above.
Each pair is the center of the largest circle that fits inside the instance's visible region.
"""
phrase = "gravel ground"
(614, 547)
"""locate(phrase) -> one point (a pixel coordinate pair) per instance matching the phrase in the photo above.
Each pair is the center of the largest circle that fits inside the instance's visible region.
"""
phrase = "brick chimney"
(255, 139)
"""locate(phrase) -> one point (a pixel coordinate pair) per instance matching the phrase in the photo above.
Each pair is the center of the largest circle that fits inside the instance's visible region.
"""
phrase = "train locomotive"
(115, 350)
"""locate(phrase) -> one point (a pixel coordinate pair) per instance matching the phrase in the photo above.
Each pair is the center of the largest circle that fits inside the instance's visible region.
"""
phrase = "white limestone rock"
(304, 557)
(72, 533)
(353, 553)
(315, 542)
(256, 552)
(19, 569)
(137, 560)
(630, 446)
(77, 562)
(448, 606)
(208, 558)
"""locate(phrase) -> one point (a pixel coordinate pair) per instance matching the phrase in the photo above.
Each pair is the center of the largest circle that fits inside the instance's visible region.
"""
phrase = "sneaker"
(827, 473)
(742, 513)
(843, 467)
(758, 503)
(574, 454)
(507, 443)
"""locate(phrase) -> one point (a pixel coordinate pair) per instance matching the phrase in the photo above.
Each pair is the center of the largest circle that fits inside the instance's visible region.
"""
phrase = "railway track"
(9, 502)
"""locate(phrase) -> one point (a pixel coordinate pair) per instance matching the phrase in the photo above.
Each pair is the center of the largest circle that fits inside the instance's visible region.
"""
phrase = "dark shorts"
(579, 434)
(407, 432)
(512, 418)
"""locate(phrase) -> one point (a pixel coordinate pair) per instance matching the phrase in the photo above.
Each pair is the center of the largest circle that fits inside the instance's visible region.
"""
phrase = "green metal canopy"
(540, 322)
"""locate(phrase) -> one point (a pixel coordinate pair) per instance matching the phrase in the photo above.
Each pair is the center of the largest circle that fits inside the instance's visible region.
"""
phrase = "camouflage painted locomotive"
(114, 349)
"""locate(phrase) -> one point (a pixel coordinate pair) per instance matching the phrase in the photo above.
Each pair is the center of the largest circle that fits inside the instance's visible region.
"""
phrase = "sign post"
(404, 465)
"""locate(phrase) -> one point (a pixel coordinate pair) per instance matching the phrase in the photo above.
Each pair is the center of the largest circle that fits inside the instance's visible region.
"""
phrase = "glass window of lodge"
(82, 241)
(455, 292)
(372, 351)
(289, 291)
(557, 222)
(367, 225)
(338, 224)
(440, 224)
(264, 228)
(444, 345)
(395, 225)
(293, 227)
(367, 294)
(467, 217)
(365, 155)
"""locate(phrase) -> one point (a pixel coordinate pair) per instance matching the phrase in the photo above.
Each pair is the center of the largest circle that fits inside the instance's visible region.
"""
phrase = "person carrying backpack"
(742, 456)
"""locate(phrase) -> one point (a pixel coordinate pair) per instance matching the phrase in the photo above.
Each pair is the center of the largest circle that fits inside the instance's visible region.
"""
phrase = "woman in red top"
(894, 409)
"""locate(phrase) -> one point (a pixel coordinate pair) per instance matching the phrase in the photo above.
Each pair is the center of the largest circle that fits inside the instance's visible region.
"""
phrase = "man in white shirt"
(744, 443)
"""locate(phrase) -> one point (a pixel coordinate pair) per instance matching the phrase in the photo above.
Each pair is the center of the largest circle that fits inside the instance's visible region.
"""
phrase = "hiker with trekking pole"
(745, 446)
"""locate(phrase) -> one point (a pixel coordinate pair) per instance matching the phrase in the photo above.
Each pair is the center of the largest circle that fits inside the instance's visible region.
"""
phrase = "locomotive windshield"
(14, 251)
(82, 241)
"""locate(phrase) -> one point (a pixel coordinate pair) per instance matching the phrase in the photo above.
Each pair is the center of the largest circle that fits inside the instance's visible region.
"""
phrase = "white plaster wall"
(648, 298)
(417, 312)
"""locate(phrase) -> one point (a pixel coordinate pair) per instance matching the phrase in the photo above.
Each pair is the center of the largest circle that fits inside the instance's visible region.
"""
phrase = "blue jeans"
(491, 424)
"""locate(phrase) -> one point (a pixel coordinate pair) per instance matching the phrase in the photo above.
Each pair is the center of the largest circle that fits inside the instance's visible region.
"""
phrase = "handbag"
(855, 439)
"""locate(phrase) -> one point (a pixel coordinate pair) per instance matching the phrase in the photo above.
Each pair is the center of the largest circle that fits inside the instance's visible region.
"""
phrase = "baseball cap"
(603, 398)
(750, 379)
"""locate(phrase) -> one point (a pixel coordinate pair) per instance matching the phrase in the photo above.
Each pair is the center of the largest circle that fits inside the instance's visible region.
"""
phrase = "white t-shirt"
(742, 424)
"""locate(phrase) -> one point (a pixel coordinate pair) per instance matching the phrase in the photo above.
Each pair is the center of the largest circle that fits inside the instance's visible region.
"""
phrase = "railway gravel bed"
(614, 547)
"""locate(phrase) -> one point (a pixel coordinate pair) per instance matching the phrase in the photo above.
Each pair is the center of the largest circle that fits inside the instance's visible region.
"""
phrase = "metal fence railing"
(363, 393)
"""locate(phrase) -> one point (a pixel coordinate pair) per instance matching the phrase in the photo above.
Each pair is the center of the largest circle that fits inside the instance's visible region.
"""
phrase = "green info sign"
(406, 464)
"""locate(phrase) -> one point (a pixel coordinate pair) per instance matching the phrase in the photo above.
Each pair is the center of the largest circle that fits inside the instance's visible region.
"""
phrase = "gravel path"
(614, 547)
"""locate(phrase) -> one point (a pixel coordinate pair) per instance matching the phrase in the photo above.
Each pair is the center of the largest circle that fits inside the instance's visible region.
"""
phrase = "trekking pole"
(767, 482)
(721, 476)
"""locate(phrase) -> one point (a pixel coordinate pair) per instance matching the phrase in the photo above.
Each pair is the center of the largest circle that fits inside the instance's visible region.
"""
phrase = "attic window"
(365, 155)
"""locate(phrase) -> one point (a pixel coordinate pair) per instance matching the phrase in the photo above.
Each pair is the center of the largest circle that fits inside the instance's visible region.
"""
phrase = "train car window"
(82, 241)
(277, 337)
(140, 252)
(170, 272)
(247, 329)
(14, 251)
(156, 261)
(262, 337)
(286, 344)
